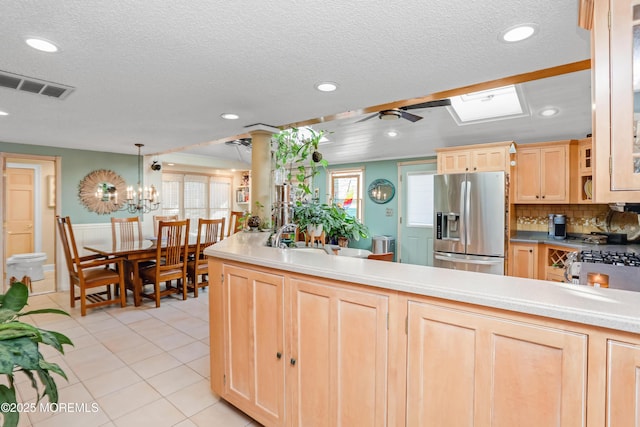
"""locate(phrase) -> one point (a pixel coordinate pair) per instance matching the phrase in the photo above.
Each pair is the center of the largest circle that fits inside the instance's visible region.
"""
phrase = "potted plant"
(254, 219)
(295, 150)
(19, 352)
(346, 227)
(313, 217)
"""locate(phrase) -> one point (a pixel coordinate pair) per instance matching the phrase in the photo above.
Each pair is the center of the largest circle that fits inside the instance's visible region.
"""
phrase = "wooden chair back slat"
(126, 230)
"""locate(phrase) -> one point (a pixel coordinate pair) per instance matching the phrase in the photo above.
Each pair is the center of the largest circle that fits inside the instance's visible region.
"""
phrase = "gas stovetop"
(610, 257)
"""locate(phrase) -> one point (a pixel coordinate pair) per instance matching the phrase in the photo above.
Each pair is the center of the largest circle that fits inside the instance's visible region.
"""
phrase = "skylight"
(487, 105)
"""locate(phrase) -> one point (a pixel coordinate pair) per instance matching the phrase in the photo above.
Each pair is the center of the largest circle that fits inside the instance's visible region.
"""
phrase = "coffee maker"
(559, 227)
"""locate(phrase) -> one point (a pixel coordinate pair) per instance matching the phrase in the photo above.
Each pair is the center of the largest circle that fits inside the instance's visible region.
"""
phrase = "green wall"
(375, 215)
(76, 164)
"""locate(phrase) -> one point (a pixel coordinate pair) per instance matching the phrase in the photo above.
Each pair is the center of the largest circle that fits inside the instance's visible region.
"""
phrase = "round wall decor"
(381, 191)
(106, 183)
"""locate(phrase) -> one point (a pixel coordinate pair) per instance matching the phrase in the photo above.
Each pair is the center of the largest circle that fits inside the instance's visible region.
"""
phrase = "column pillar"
(261, 185)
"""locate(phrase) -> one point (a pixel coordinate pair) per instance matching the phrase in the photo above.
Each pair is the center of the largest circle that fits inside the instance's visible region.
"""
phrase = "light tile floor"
(133, 366)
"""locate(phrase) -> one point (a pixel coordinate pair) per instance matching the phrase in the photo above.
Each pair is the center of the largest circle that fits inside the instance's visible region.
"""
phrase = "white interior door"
(415, 240)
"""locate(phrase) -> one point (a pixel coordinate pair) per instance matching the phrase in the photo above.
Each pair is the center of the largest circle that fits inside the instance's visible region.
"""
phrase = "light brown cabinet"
(330, 349)
(531, 375)
(488, 157)
(584, 180)
(523, 260)
(623, 383)
(553, 262)
(543, 172)
(615, 54)
(297, 350)
(338, 360)
(254, 330)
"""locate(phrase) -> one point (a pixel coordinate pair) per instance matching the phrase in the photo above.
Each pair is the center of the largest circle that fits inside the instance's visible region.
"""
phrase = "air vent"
(30, 84)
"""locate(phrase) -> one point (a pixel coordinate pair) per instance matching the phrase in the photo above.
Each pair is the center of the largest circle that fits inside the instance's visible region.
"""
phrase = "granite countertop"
(572, 241)
(609, 308)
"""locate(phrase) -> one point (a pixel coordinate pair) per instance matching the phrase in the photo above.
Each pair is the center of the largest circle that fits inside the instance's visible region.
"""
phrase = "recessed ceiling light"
(3, 113)
(229, 116)
(548, 112)
(392, 133)
(326, 86)
(171, 164)
(518, 33)
(42, 45)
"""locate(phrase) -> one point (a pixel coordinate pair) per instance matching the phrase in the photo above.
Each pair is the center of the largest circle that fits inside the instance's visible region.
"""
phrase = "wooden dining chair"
(170, 261)
(90, 272)
(235, 224)
(210, 231)
(386, 256)
(158, 218)
(126, 229)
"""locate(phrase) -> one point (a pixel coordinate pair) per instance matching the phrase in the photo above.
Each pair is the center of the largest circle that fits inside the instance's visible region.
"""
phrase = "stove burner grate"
(610, 257)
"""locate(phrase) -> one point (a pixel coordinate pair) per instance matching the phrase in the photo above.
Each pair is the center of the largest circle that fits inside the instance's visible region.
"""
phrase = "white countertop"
(608, 308)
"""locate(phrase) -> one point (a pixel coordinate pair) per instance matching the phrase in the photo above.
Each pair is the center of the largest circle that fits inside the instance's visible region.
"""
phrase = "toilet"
(20, 265)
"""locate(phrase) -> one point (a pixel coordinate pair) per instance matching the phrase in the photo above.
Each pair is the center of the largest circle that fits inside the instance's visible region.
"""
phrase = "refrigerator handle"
(469, 261)
(463, 215)
(467, 208)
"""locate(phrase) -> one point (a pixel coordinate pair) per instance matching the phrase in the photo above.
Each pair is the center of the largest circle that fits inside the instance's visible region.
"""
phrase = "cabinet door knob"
(292, 361)
(543, 197)
(530, 251)
(475, 169)
(279, 355)
(537, 197)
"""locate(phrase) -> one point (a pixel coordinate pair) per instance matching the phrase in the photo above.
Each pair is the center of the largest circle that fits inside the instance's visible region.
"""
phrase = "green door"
(415, 241)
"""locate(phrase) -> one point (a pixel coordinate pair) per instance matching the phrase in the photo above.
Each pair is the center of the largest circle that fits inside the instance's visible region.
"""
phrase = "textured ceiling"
(161, 72)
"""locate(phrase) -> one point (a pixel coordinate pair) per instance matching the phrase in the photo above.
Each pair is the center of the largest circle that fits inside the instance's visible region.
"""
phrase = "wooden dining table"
(135, 252)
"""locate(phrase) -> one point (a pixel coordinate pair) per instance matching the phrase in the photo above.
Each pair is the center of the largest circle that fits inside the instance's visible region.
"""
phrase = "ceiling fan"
(242, 142)
(401, 112)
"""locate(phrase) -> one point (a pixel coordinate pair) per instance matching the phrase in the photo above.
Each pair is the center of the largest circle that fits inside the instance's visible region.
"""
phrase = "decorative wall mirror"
(101, 190)
(381, 191)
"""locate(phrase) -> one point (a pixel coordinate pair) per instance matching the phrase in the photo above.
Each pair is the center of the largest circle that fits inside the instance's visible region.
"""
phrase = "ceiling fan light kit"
(389, 114)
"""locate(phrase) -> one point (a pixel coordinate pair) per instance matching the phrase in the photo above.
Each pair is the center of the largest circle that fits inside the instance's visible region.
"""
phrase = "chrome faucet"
(276, 240)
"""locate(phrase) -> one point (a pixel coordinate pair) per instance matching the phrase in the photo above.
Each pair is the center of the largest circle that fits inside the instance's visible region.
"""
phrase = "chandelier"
(143, 200)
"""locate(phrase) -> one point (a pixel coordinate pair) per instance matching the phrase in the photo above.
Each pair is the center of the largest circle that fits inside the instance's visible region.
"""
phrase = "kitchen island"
(300, 338)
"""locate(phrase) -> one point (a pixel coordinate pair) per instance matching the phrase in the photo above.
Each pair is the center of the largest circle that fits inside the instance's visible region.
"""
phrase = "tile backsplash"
(580, 218)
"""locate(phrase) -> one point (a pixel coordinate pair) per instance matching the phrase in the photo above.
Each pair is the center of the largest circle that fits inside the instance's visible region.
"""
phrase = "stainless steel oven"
(622, 267)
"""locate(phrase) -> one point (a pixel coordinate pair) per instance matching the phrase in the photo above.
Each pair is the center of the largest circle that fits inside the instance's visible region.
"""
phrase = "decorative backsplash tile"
(579, 218)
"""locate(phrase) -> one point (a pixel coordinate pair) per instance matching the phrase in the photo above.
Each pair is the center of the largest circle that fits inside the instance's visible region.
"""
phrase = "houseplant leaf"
(55, 339)
(8, 395)
(16, 297)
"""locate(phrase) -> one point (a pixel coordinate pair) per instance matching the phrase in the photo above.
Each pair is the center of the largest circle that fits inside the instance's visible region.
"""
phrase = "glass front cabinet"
(616, 94)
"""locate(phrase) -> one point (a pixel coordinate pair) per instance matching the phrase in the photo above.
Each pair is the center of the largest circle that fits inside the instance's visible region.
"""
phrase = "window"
(346, 190)
(494, 104)
(420, 199)
(196, 196)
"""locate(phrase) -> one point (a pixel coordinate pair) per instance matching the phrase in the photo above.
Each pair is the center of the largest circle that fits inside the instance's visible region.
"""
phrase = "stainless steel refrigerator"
(470, 210)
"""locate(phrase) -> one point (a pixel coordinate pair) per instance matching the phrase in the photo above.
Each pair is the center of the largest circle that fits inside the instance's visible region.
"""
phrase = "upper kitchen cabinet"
(615, 86)
(474, 158)
(543, 172)
(584, 183)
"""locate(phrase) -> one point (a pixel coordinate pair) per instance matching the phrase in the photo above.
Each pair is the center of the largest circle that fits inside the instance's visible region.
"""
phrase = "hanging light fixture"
(140, 201)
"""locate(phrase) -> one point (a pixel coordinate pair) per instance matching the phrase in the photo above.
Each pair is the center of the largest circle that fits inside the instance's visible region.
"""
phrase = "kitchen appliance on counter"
(470, 219)
(559, 227)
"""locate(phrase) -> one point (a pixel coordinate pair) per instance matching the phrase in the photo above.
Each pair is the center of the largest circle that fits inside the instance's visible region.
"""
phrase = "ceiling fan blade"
(367, 118)
(411, 117)
(429, 104)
